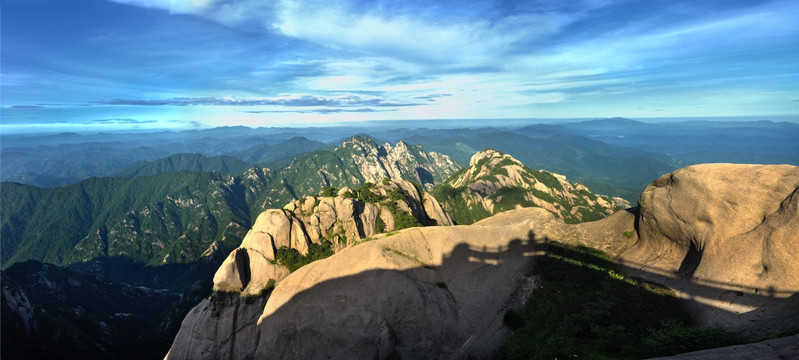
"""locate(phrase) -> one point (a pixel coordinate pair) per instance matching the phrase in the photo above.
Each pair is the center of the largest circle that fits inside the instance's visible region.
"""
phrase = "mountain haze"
(266, 154)
(184, 162)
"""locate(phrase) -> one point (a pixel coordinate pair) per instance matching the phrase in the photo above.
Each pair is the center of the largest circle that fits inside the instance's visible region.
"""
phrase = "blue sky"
(124, 64)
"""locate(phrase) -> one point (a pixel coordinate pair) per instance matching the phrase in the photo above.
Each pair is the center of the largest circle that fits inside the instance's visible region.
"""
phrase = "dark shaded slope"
(51, 312)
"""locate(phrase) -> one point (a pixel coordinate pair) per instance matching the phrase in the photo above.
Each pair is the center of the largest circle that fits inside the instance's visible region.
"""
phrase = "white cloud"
(193, 7)
(230, 13)
(414, 37)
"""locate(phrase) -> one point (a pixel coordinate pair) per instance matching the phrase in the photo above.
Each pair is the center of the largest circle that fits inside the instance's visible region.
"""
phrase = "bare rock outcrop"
(340, 220)
(726, 237)
(700, 219)
(401, 161)
(432, 292)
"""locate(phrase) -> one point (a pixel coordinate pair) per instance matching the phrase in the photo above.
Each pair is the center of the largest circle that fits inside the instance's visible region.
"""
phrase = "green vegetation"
(583, 308)
(629, 234)
(509, 197)
(407, 256)
(402, 219)
(365, 194)
(184, 162)
(463, 204)
(266, 290)
(379, 225)
(419, 188)
(291, 258)
(546, 178)
(453, 201)
(328, 191)
(173, 216)
(396, 194)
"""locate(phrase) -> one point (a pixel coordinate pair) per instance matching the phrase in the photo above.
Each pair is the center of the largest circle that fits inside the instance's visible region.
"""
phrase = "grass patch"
(585, 309)
(266, 290)
(407, 256)
(293, 260)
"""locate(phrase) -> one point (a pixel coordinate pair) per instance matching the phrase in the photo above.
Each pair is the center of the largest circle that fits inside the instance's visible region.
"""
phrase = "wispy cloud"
(241, 60)
(431, 97)
(121, 121)
(320, 111)
(298, 100)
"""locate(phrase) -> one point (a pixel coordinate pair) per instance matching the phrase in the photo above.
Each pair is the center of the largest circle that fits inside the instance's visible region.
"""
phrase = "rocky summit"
(401, 161)
(334, 222)
(496, 182)
(442, 292)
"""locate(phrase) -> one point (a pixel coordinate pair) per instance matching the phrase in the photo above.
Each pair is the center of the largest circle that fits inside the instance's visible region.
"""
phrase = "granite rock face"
(423, 293)
(341, 220)
(728, 223)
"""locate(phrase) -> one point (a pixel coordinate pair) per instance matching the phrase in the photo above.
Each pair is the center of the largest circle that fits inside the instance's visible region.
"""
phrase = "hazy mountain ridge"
(606, 168)
(266, 154)
(616, 156)
(69, 162)
(699, 141)
(496, 182)
(184, 162)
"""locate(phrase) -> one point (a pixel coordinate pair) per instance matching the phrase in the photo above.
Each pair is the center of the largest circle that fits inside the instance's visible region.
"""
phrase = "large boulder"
(247, 272)
(702, 219)
(726, 238)
(423, 293)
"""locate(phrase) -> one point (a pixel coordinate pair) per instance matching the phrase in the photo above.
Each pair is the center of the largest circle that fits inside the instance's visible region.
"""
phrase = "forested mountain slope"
(496, 182)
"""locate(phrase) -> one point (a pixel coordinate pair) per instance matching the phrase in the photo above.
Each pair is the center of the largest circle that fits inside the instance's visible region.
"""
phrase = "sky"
(132, 64)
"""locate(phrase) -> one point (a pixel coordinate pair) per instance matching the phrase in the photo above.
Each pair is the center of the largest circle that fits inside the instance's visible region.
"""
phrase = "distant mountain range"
(614, 156)
(184, 162)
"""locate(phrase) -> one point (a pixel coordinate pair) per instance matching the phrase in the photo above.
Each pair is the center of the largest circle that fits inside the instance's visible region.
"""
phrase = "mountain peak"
(496, 182)
(400, 161)
(489, 153)
(361, 141)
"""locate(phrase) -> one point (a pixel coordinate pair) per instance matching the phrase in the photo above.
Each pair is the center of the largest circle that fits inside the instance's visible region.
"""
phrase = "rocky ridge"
(442, 291)
(339, 221)
(401, 161)
(496, 182)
